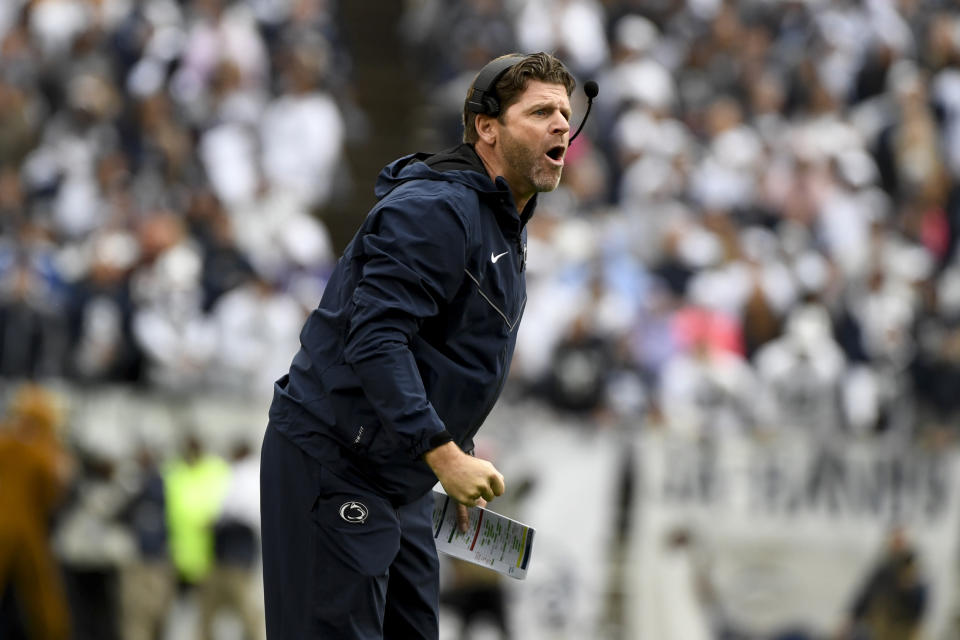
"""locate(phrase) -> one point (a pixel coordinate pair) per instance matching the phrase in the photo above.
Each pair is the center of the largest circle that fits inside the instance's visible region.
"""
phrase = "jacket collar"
(459, 164)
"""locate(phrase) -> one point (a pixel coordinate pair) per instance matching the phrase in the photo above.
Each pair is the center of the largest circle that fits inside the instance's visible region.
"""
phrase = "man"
(891, 602)
(400, 365)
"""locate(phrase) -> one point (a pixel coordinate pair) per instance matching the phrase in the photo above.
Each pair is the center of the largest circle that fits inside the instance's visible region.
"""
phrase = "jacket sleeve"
(414, 259)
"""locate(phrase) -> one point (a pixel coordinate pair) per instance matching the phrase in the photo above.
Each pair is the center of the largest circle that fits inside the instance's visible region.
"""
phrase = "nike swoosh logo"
(494, 258)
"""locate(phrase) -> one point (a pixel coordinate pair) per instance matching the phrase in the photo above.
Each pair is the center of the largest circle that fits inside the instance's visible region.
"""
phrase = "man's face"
(534, 137)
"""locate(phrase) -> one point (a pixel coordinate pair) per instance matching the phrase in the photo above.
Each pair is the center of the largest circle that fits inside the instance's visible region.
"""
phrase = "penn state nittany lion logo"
(354, 512)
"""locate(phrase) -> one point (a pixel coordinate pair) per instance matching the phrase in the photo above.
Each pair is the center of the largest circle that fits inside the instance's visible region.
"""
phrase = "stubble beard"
(528, 164)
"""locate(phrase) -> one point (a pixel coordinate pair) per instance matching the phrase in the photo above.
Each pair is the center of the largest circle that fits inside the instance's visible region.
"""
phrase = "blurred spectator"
(224, 265)
(636, 79)
(169, 324)
(33, 473)
(458, 36)
(284, 243)
(93, 543)
(12, 201)
(908, 150)
(801, 376)
(33, 334)
(578, 372)
(936, 370)
(707, 391)
(219, 33)
(147, 581)
(258, 327)
(476, 596)
(229, 585)
(884, 310)
(194, 485)
(893, 598)
(573, 30)
(590, 373)
(302, 131)
(19, 116)
(101, 312)
(680, 602)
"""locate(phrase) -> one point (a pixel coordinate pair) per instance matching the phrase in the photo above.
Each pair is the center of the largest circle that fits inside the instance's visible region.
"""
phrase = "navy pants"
(340, 562)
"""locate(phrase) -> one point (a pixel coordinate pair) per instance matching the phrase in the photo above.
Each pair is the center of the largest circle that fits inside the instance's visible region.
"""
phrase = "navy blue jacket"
(412, 341)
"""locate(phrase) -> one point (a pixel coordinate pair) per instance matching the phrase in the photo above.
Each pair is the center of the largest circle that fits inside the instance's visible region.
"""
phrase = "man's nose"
(560, 125)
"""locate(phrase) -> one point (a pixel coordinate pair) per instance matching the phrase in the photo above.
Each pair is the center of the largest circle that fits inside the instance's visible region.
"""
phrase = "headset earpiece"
(483, 98)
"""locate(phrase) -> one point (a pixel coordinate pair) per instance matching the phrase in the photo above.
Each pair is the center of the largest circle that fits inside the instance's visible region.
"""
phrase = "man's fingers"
(463, 518)
(494, 487)
(497, 485)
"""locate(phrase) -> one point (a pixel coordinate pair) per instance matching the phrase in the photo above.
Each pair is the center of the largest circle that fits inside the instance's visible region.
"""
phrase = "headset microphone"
(591, 89)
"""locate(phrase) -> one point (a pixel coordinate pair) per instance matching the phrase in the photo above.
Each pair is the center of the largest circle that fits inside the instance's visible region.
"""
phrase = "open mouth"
(556, 154)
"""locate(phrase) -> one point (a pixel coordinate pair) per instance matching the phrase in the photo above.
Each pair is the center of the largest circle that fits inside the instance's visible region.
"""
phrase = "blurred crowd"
(94, 547)
(757, 231)
(162, 165)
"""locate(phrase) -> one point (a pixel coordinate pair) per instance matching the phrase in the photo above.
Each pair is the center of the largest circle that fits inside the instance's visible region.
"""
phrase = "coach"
(400, 365)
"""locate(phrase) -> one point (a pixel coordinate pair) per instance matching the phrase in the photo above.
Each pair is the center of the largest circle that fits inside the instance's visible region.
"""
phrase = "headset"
(483, 98)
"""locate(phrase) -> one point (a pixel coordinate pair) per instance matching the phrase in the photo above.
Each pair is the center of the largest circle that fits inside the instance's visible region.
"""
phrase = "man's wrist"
(439, 457)
(438, 439)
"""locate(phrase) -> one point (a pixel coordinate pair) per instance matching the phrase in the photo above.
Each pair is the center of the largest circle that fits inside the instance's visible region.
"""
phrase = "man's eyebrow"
(549, 104)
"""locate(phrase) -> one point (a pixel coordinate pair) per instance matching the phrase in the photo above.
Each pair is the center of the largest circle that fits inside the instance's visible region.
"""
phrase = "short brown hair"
(536, 66)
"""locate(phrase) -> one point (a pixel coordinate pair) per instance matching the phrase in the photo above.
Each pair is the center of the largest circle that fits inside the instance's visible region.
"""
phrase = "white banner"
(770, 537)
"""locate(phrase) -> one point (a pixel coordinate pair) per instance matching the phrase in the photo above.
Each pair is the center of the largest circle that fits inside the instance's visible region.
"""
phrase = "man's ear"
(486, 128)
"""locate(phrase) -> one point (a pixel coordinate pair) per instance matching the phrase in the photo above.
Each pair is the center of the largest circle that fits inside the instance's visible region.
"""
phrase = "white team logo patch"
(354, 512)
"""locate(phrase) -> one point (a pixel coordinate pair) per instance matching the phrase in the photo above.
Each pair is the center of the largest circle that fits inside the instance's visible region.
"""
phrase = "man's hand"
(466, 479)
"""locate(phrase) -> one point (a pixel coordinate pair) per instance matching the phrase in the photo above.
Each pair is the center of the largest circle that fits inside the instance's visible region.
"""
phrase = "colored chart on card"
(491, 540)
